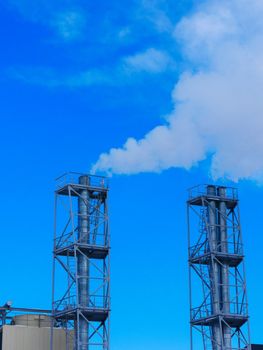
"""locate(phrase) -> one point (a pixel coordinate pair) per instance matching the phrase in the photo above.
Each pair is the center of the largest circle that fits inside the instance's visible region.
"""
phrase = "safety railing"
(208, 310)
(73, 178)
(93, 302)
(92, 239)
(202, 190)
(223, 247)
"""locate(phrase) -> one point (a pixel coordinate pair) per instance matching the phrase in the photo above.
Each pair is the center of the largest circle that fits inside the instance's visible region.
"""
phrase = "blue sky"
(79, 79)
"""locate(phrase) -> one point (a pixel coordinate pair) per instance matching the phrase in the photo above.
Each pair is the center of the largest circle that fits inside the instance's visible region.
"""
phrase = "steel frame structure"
(218, 297)
(81, 262)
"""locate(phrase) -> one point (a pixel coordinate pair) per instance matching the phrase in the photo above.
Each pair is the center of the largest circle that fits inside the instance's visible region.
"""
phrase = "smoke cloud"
(218, 103)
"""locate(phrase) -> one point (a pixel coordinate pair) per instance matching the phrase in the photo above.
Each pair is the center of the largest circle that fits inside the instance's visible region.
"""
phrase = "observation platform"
(91, 251)
(233, 320)
(232, 260)
(75, 190)
(200, 196)
(68, 184)
(92, 314)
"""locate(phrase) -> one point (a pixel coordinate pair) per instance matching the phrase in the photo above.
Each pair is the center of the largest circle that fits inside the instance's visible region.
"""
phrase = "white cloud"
(52, 78)
(67, 20)
(69, 25)
(124, 33)
(155, 12)
(155, 152)
(151, 60)
(218, 104)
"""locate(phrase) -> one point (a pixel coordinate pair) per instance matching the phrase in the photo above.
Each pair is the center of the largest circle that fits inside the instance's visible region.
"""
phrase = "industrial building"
(26, 329)
(31, 332)
(80, 314)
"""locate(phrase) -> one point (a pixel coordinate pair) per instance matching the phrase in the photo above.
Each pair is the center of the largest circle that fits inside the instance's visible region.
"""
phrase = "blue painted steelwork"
(81, 261)
(219, 311)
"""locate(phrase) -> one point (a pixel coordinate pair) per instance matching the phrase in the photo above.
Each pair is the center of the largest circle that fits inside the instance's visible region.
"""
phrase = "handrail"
(94, 301)
(73, 178)
(233, 248)
(201, 190)
(206, 310)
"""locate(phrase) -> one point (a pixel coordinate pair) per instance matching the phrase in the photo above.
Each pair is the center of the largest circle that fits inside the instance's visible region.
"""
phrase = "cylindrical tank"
(222, 220)
(30, 320)
(82, 261)
(214, 267)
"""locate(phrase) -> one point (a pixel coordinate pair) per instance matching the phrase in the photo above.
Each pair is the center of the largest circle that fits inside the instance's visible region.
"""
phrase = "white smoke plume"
(218, 104)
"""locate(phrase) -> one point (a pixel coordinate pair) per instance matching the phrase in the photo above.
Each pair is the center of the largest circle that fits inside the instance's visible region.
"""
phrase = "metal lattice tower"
(81, 264)
(218, 298)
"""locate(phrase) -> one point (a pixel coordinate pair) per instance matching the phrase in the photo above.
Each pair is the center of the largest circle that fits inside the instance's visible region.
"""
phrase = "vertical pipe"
(82, 261)
(225, 289)
(214, 266)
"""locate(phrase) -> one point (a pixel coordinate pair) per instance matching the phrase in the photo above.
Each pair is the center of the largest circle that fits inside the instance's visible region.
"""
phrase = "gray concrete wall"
(31, 338)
